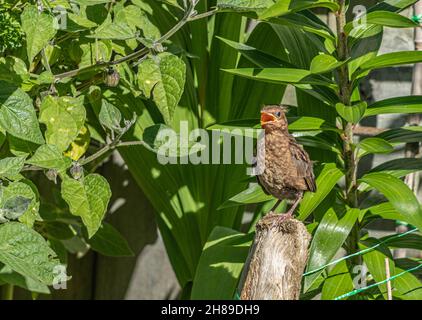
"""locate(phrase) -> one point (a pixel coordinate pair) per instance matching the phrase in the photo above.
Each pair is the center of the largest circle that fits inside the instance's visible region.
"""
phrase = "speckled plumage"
(288, 170)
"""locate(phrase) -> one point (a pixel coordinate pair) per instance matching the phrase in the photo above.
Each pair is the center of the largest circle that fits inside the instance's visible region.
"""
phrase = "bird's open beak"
(267, 117)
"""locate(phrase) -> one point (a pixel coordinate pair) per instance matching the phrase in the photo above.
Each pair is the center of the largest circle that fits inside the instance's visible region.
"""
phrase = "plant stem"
(349, 155)
(7, 292)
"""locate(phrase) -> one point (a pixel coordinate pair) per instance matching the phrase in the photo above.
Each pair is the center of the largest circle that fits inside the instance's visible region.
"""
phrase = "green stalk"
(349, 155)
(7, 291)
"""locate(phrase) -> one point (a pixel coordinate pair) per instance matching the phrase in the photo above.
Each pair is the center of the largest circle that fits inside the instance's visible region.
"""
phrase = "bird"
(288, 170)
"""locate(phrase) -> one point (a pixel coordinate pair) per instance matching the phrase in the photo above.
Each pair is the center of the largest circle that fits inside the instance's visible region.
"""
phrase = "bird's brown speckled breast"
(280, 174)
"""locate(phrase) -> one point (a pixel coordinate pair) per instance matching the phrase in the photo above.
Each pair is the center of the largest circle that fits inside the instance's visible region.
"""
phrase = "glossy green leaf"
(325, 182)
(399, 167)
(279, 75)
(87, 198)
(26, 252)
(244, 5)
(13, 70)
(221, 264)
(398, 193)
(39, 30)
(375, 145)
(20, 199)
(50, 157)
(409, 104)
(329, 237)
(324, 63)
(9, 276)
(259, 58)
(17, 114)
(383, 18)
(390, 60)
(64, 118)
(404, 134)
(318, 142)
(338, 282)
(162, 77)
(406, 287)
(351, 113)
(113, 31)
(109, 116)
(409, 241)
(13, 208)
(282, 7)
(11, 166)
(308, 22)
(109, 242)
(254, 194)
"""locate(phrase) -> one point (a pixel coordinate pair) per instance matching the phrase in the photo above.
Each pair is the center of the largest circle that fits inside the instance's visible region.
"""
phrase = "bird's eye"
(278, 114)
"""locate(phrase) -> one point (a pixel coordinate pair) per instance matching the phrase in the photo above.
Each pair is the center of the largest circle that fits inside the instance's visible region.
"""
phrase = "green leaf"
(9, 276)
(244, 5)
(383, 18)
(282, 7)
(109, 242)
(409, 241)
(330, 235)
(109, 116)
(26, 252)
(389, 60)
(318, 142)
(11, 166)
(399, 195)
(323, 63)
(405, 134)
(351, 113)
(386, 211)
(162, 77)
(17, 114)
(220, 264)
(64, 118)
(399, 167)
(375, 145)
(15, 199)
(279, 75)
(325, 182)
(113, 31)
(254, 194)
(87, 198)
(13, 208)
(39, 30)
(259, 58)
(50, 157)
(409, 104)
(13, 70)
(77, 23)
(406, 287)
(338, 282)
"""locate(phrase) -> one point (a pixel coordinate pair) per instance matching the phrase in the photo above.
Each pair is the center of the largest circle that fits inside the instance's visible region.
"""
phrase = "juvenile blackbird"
(288, 170)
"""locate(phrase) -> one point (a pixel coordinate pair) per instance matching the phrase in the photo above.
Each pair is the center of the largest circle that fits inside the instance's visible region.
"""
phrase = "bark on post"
(276, 261)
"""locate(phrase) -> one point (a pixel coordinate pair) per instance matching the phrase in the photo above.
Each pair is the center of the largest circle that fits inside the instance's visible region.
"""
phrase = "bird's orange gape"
(266, 118)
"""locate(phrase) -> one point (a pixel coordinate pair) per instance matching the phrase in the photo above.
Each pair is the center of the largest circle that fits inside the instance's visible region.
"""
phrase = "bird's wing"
(303, 164)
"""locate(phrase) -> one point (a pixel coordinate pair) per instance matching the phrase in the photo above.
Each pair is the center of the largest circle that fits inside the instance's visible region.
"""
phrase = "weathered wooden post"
(276, 261)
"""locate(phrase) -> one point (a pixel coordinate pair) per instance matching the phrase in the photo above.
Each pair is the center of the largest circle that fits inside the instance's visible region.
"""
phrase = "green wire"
(354, 292)
(417, 18)
(359, 252)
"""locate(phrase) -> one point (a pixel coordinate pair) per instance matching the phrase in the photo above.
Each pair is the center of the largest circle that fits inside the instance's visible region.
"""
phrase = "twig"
(387, 276)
